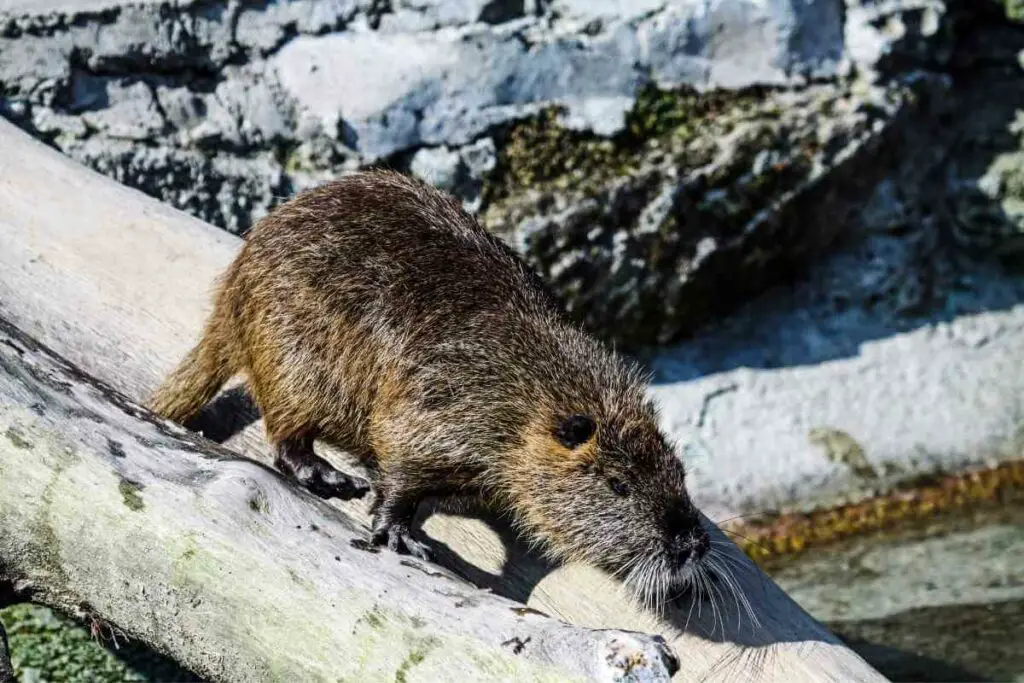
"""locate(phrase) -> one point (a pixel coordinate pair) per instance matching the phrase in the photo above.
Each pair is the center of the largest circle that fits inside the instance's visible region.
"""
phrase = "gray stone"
(438, 166)
(983, 179)
(254, 101)
(400, 89)
(437, 13)
(880, 31)
(480, 158)
(647, 246)
(250, 80)
(119, 110)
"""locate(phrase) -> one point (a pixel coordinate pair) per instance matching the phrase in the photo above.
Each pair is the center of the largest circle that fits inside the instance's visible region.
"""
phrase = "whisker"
(726, 564)
(713, 563)
(740, 516)
(696, 598)
(742, 565)
(721, 611)
(711, 602)
(711, 599)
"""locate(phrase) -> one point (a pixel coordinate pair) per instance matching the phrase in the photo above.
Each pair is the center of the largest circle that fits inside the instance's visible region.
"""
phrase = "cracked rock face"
(573, 128)
(648, 240)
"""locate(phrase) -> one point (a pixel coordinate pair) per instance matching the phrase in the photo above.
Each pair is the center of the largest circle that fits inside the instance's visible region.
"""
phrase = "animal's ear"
(575, 430)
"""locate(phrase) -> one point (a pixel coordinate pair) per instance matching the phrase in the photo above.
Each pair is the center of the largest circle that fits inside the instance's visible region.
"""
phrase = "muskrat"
(375, 314)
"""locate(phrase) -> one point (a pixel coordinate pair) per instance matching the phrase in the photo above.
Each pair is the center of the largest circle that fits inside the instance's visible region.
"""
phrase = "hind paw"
(331, 483)
(317, 475)
(398, 538)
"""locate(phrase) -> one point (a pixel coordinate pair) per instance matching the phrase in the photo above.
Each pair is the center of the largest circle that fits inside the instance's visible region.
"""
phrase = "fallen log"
(223, 565)
(119, 285)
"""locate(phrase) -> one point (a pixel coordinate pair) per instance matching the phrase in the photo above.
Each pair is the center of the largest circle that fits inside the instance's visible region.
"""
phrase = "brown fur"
(374, 313)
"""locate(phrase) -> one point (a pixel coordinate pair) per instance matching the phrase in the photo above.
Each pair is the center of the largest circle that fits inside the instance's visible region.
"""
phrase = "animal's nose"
(682, 554)
(695, 543)
(701, 543)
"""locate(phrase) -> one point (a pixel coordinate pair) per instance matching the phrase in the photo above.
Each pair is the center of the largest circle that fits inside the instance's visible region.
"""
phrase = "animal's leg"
(296, 459)
(395, 508)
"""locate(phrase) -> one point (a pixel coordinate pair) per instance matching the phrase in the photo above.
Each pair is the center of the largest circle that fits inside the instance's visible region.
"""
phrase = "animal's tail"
(196, 380)
(207, 367)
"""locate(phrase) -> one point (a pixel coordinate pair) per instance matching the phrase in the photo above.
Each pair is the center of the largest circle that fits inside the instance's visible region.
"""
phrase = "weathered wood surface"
(119, 284)
(223, 565)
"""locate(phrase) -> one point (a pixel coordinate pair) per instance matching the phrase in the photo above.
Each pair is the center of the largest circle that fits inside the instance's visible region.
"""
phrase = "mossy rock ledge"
(702, 202)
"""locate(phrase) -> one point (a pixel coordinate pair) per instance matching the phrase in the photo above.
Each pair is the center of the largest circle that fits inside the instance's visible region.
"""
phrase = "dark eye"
(575, 431)
(619, 487)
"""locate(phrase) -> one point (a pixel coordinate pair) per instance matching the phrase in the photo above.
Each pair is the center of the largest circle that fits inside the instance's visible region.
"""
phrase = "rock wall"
(220, 106)
(659, 162)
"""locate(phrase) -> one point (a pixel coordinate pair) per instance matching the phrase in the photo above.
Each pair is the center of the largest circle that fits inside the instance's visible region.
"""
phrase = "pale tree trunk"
(119, 284)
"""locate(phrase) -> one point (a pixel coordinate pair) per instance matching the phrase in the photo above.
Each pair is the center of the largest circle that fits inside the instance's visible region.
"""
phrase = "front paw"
(398, 538)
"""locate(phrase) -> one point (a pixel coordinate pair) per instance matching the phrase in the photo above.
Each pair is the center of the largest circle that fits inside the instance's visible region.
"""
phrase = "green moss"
(17, 439)
(416, 656)
(540, 152)
(48, 647)
(1014, 9)
(130, 495)
(374, 619)
(721, 172)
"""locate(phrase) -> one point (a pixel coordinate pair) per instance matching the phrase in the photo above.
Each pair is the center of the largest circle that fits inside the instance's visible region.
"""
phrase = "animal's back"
(375, 314)
(348, 288)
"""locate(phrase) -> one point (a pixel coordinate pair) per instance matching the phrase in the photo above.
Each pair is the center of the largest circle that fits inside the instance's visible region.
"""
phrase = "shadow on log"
(119, 285)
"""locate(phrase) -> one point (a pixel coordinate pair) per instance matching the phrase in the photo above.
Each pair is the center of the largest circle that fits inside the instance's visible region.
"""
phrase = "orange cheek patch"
(544, 451)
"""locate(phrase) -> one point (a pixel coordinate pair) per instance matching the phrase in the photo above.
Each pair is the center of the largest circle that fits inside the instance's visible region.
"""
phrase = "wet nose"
(693, 544)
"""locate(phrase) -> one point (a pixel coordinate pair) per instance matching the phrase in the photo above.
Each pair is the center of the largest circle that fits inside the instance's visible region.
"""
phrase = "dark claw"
(399, 539)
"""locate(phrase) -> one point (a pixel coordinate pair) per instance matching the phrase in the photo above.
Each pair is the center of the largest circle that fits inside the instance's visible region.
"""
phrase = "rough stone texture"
(712, 199)
(225, 108)
(289, 90)
(573, 127)
(900, 348)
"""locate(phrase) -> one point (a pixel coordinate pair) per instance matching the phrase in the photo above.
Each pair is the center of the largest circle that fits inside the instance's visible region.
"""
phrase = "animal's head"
(607, 488)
